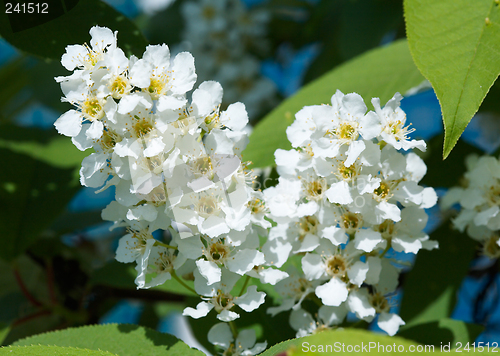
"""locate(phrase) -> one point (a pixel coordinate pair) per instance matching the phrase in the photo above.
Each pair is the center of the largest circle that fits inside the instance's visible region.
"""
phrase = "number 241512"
(29, 8)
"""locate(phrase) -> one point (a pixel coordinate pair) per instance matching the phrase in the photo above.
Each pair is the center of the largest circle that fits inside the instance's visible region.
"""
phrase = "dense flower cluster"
(226, 34)
(345, 196)
(479, 200)
(182, 191)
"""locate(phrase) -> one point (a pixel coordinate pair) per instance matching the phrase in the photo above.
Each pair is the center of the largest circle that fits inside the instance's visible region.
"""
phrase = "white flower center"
(396, 129)
(493, 195)
(336, 266)
(91, 58)
(256, 206)
(207, 205)
(212, 121)
(490, 247)
(222, 301)
(351, 222)
(300, 287)
(165, 263)
(158, 85)
(202, 167)
(92, 108)
(386, 229)
(315, 189)
(346, 174)
(217, 252)
(157, 196)
(119, 86)
(108, 140)
(142, 125)
(142, 238)
(379, 302)
(346, 132)
(307, 225)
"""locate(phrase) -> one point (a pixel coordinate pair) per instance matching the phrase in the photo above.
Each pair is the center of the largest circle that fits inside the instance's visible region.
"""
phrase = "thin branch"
(25, 290)
(31, 317)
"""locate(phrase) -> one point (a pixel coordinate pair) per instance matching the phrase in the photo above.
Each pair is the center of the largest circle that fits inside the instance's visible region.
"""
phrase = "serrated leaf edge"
(99, 325)
(55, 346)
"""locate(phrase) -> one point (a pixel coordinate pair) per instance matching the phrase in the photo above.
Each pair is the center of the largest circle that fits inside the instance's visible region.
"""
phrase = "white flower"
(480, 203)
(339, 267)
(390, 323)
(326, 128)
(393, 120)
(85, 57)
(164, 81)
(220, 335)
(136, 247)
(221, 253)
(92, 110)
(294, 290)
(346, 195)
(162, 261)
(218, 296)
(327, 316)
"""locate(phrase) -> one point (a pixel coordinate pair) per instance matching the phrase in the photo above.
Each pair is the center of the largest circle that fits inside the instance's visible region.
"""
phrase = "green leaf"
(4, 331)
(364, 23)
(343, 339)
(442, 331)
(432, 270)
(378, 73)
(49, 351)
(455, 45)
(115, 274)
(123, 340)
(345, 29)
(58, 152)
(66, 24)
(34, 194)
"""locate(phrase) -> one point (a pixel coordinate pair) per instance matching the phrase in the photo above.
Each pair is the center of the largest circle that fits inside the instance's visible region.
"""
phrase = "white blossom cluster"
(479, 200)
(182, 192)
(346, 195)
(225, 33)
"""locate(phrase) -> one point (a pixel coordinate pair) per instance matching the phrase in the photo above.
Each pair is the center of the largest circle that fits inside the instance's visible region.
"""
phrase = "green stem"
(244, 286)
(176, 277)
(234, 329)
(386, 249)
(164, 245)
